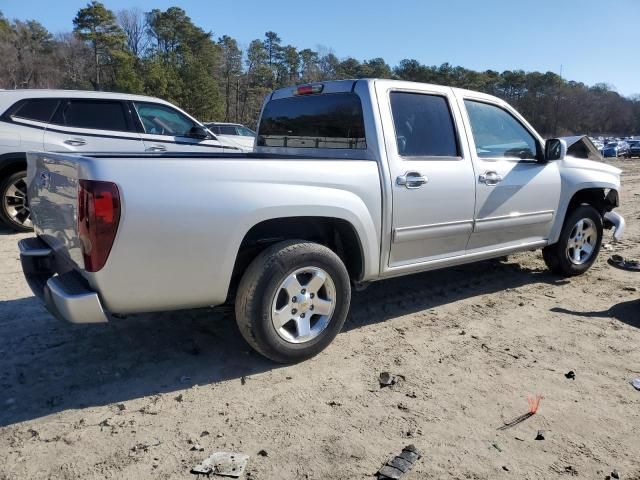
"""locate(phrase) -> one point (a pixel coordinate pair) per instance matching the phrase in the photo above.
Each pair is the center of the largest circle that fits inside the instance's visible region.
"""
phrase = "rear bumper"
(62, 290)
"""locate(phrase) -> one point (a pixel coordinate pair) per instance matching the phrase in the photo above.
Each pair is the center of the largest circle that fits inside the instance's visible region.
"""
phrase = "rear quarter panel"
(183, 220)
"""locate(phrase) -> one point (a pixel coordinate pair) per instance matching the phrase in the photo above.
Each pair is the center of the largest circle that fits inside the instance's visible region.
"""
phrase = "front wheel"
(293, 300)
(14, 207)
(578, 245)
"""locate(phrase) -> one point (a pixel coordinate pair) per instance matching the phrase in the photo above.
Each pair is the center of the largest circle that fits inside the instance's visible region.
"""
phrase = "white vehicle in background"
(236, 133)
(68, 121)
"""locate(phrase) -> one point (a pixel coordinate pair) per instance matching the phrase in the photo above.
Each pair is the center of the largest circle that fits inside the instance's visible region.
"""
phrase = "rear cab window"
(329, 121)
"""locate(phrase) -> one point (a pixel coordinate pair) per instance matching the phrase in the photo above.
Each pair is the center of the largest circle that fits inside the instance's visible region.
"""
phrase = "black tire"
(18, 224)
(262, 281)
(556, 256)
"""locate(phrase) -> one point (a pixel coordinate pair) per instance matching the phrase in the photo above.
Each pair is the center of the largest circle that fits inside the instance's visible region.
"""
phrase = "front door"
(516, 194)
(167, 130)
(433, 187)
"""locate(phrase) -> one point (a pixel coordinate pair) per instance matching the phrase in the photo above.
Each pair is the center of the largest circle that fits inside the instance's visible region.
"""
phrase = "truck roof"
(343, 86)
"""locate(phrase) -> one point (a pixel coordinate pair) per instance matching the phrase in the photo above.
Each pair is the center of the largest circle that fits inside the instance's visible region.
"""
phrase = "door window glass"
(38, 109)
(246, 132)
(95, 114)
(498, 134)
(162, 120)
(228, 130)
(424, 125)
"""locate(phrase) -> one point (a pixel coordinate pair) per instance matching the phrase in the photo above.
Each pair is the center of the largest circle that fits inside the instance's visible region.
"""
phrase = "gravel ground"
(131, 398)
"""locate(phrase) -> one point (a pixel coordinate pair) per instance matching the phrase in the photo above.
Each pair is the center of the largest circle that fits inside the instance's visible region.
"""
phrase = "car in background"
(615, 149)
(234, 133)
(87, 122)
(634, 148)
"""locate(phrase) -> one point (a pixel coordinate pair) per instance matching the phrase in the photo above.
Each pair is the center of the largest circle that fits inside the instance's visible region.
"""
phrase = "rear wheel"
(293, 300)
(578, 245)
(14, 206)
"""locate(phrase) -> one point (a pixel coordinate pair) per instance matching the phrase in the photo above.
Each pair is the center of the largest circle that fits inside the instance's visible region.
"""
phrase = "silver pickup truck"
(350, 182)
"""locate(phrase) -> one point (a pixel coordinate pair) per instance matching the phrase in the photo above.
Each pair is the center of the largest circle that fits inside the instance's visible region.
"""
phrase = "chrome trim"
(460, 259)
(514, 220)
(422, 232)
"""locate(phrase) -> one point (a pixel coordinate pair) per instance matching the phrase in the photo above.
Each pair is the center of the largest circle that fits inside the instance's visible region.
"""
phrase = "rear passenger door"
(92, 125)
(433, 187)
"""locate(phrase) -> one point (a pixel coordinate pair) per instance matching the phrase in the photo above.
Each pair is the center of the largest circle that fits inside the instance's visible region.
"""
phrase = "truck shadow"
(626, 312)
(47, 366)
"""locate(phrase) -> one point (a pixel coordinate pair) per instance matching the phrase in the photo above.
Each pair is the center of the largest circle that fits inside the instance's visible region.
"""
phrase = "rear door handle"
(75, 142)
(490, 178)
(156, 148)
(411, 180)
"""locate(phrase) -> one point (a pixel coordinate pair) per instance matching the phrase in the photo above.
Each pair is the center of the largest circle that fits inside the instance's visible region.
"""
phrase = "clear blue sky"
(594, 40)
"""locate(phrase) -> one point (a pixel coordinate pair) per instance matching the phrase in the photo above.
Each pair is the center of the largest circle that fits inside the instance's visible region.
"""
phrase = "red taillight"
(98, 218)
(309, 89)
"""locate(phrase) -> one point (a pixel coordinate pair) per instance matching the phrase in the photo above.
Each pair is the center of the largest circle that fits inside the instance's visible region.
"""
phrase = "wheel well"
(334, 233)
(11, 163)
(596, 198)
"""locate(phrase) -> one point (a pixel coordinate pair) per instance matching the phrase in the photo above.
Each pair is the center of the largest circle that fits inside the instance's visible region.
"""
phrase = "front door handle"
(490, 178)
(75, 142)
(156, 148)
(411, 180)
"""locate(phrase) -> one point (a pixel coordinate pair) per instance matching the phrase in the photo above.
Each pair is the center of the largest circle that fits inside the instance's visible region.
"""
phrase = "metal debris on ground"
(636, 383)
(144, 446)
(223, 464)
(386, 379)
(396, 467)
(624, 263)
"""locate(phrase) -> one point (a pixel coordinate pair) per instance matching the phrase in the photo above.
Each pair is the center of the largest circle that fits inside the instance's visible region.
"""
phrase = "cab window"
(498, 134)
(332, 121)
(424, 125)
(162, 120)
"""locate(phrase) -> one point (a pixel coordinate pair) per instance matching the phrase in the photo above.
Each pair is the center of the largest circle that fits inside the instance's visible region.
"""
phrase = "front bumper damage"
(615, 221)
(64, 292)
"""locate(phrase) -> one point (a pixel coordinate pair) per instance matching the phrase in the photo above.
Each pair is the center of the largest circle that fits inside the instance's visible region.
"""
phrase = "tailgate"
(52, 181)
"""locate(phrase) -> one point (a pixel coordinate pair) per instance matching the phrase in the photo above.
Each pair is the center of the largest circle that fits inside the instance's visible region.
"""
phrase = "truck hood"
(593, 166)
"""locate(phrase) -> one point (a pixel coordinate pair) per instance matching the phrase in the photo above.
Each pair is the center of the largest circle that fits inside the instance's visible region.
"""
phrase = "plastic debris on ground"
(636, 383)
(396, 467)
(624, 263)
(223, 464)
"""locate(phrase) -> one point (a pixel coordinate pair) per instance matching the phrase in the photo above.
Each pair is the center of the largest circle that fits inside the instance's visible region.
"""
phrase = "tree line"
(164, 54)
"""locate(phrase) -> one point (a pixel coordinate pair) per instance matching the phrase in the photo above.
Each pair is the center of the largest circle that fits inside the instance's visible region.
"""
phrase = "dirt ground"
(130, 399)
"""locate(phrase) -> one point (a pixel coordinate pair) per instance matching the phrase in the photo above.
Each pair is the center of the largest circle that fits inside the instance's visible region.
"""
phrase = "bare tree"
(134, 24)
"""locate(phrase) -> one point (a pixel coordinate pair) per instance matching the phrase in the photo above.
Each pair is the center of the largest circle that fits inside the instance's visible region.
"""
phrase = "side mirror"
(199, 132)
(555, 149)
